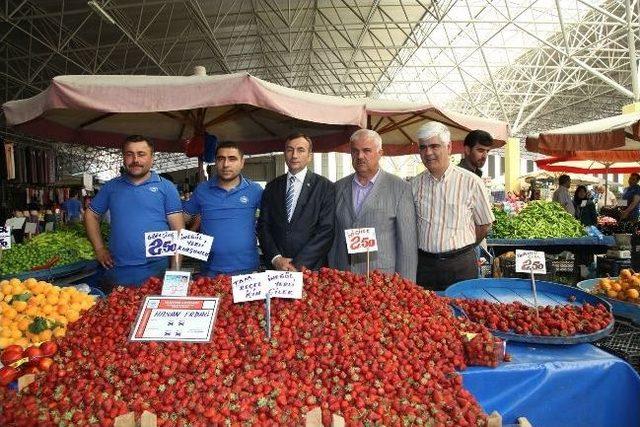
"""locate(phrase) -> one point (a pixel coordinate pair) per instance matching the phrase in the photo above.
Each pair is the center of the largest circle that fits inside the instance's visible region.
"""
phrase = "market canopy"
(100, 110)
(398, 123)
(551, 177)
(577, 165)
(620, 133)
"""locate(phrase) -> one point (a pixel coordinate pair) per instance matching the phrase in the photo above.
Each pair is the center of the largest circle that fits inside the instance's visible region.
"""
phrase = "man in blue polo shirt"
(227, 205)
(72, 207)
(138, 201)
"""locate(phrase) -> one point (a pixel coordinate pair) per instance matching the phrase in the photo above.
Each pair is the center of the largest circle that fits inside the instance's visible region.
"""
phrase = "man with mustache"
(227, 205)
(138, 201)
(453, 212)
(374, 198)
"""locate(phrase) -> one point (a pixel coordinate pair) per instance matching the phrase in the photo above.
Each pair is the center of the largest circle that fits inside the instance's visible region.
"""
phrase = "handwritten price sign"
(249, 287)
(361, 240)
(530, 262)
(284, 284)
(160, 243)
(5, 237)
(195, 245)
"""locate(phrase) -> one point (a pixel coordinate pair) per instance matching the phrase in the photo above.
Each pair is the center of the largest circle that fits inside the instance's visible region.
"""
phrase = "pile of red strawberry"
(382, 353)
(561, 320)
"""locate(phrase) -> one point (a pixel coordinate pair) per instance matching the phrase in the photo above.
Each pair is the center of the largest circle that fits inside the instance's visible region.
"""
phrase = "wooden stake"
(535, 293)
(367, 266)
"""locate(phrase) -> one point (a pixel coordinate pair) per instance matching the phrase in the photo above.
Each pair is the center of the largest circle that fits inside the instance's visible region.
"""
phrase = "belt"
(446, 255)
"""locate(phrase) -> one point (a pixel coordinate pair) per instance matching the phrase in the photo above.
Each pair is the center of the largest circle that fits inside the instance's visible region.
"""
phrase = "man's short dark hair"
(299, 135)
(229, 144)
(138, 138)
(635, 174)
(478, 137)
(564, 179)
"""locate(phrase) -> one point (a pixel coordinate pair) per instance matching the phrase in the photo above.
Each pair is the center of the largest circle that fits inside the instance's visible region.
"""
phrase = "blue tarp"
(574, 385)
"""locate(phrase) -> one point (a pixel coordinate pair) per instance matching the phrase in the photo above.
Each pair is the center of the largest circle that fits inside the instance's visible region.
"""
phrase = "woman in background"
(584, 207)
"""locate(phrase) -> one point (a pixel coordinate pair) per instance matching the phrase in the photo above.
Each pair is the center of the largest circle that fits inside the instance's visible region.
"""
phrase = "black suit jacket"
(308, 237)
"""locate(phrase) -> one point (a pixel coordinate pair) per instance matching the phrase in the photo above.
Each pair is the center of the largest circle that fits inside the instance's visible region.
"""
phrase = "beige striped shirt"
(449, 208)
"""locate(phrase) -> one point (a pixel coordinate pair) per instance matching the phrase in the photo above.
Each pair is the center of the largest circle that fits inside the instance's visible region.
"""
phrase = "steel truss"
(535, 63)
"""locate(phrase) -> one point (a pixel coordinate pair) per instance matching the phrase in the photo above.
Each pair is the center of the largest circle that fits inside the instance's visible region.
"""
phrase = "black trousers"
(437, 274)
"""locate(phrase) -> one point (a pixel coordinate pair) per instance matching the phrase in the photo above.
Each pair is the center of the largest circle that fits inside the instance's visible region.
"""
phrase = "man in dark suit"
(297, 212)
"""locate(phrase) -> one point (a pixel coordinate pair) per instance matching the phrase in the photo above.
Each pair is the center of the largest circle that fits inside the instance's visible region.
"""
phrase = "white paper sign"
(361, 240)
(195, 245)
(622, 202)
(48, 226)
(530, 261)
(160, 243)
(249, 287)
(30, 228)
(284, 284)
(176, 283)
(5, 237)
(16, 223)
(87, 181)
(189, 319)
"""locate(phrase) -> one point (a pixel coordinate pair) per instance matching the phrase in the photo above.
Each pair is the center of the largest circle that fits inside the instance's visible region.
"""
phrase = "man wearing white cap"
(453, 213)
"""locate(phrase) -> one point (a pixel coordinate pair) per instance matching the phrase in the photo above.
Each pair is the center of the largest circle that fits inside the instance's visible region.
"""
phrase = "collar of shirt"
(213, 183)
(444, 176)
(300, 176)
(371, 182)
(154, 177)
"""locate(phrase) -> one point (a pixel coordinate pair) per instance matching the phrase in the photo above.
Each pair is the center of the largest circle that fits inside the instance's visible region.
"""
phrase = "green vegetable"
(22, 297)
(538, 220)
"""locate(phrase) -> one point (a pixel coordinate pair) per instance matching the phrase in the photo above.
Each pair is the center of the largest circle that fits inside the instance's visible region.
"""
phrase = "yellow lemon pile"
(54, 307)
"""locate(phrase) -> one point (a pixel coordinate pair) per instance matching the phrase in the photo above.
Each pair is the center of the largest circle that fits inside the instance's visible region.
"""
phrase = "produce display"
(383, 353)
(538, 220)
(33, 311)
(46, 250)
(626, 287)
(18, 361)
(562, 320)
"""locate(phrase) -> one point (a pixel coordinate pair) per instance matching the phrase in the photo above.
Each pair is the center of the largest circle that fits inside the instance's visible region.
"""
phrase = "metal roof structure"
(537, 64)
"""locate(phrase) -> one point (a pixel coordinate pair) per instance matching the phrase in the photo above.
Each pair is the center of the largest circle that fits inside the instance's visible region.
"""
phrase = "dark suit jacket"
(309, 235)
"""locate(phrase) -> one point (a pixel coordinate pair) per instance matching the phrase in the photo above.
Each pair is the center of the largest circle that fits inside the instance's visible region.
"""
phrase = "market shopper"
(227, 205)
(632, 197)
(453, 213)
(138, 201)
(477, 144)
(584, 206)
(561, 195)
(371, 197)
(72, 208)
(297, 212)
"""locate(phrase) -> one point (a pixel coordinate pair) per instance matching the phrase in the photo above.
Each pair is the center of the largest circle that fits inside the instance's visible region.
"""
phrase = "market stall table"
(576, 385)
(583, 248)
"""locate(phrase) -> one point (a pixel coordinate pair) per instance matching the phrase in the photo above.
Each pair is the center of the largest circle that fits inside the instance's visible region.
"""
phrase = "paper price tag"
(361, 240)
(5, 237)
(284, 284)
(189, 319)
(16, 223)
(249, 287)
(195, 245)
(176, 283)
(160, 243)
(530, 262)
(30, 228)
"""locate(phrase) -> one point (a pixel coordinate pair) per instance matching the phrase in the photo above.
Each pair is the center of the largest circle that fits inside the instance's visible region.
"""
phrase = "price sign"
(195, 245)
(176, 283)
(284, 284)
(249, 287)
(530, 262)
(16, 223)
(5, 237)
(160, 243)
(189, 319)
(361, 240)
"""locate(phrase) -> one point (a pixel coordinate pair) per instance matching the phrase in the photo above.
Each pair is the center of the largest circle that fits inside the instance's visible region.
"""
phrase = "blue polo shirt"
(633, 190)
(230, 217)
(134, 210)
(72, 207)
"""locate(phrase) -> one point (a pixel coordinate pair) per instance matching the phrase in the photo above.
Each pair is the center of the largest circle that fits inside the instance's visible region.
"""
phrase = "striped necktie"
(289, 198)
